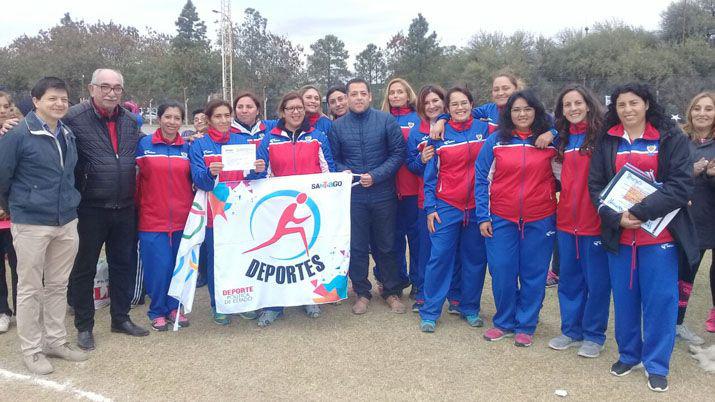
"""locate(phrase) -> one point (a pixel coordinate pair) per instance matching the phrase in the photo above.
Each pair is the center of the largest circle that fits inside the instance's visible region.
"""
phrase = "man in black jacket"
(107, 136)
(369, 143)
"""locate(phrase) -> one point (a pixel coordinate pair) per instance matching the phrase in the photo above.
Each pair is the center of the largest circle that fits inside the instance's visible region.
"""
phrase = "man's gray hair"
(98, 71)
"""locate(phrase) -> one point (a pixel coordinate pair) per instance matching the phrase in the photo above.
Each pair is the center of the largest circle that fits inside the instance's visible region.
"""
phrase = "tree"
(327, 65)
(418, 56)
(688, 19)
(190, 30)
(370, 64)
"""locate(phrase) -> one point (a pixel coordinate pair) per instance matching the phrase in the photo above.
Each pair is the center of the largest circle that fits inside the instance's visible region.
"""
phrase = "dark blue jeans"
(6, 249)
(373, 223)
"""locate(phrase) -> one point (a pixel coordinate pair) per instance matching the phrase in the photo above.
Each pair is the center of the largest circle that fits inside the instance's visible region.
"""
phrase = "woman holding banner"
(294, 147)
(206, 169)
(644, 267)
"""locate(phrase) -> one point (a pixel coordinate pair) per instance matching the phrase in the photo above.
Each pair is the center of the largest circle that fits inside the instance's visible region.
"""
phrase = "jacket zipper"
(521, 189)
(62, 167)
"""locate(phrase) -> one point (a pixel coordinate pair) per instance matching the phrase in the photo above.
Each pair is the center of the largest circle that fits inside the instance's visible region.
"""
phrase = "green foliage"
(416, 57)
(327, 66)
(370, 64)
(190, 30)
(687, 19)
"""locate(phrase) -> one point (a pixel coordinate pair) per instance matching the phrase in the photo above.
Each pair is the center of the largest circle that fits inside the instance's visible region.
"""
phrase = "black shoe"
(85, 340)
(413, 292)
(620, 369)
(201, 281)
(129, 328)
(657, 383)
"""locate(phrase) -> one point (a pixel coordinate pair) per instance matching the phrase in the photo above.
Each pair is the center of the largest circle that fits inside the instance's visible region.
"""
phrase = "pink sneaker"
(183, 321)
(551, 279)
(495, 334)
(710, 323)
(522, 340)
(159, 324)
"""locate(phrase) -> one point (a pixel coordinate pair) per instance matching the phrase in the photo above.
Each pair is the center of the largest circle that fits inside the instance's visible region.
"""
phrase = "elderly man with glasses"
(107, 137)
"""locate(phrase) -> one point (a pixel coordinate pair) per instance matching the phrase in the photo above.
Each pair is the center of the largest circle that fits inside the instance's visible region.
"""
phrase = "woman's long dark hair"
(655, 114)
(541, 122)
(594, 118)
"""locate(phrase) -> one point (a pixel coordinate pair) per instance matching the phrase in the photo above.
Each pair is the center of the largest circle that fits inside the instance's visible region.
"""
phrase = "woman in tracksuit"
(516, 205)
(247, 110)
(164, 195)
(314, 110)
(206, 168)
(293, 147)
(644, 268)
(399, 100)
(584, 287)
(430, 105)
(449, 204)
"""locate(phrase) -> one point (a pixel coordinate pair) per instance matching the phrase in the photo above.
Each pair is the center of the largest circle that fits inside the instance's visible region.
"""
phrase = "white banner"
(282, 241)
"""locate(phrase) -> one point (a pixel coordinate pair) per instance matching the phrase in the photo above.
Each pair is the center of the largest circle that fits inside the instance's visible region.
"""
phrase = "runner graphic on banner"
(283, 241)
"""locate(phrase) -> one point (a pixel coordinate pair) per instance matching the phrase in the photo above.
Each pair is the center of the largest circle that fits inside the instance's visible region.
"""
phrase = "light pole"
(226, 49)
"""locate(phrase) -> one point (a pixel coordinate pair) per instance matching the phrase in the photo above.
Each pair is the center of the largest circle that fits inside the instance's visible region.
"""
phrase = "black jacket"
(703, 209)
(674, 171)
(369, 142)
(106, 179)
(37, 176)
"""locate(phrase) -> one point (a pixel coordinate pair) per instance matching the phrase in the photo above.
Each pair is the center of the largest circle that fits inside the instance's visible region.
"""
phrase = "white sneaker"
(4, 323)
(684, 333)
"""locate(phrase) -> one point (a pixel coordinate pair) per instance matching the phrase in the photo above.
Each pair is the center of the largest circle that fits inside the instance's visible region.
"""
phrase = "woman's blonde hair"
(411, 96)
(688, 127)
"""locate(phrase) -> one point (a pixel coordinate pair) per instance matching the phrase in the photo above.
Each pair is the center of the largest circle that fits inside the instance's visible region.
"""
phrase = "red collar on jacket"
(522, 134)
(312, 118)
(650, 133)
(217, 136)
(424, 126)
(462, 125)
(103, 113)
(579, 127)
(158, 138)
(400, 111)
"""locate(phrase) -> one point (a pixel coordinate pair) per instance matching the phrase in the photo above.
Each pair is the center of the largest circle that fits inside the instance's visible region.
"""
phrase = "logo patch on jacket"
(651, 149)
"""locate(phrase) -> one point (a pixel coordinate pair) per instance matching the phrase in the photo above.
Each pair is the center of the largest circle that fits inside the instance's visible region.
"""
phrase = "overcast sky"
(357, 23)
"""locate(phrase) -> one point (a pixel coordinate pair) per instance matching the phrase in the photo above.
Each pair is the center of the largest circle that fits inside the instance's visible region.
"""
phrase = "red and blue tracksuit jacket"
(515, 180)
(576, 213)
(406, 182)
(488, 112)
(643, 154)
(449, 176)
(319, 122)
(416, 142)
(256, 133)
(205, 150)
(164, 188)
(308, 154)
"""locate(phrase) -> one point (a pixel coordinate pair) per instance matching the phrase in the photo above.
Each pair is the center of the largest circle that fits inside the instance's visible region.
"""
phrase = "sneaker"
(453, 309)
(360, 306)
(427, 326)
(657, 383)
(563, 342)
(496, 334)
(4, 323)
(620, 369)
(522, 340)
(551, 279)
(413, 292)
(417, 306)
(395, 304)
(221, 319)
(590, 349)
(38, 364)
(66, 352)
(160, 324)
(312, 310)
(248, 315)
(267, 317)
(474, 320)
(183, 321)
(710, 323)
(684, 333)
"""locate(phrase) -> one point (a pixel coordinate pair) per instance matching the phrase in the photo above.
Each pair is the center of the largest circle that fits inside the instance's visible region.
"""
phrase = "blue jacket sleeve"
(335, 149)
(481, 112)
(327, 153)
(396, 153)
(9, 146)
(199, 171)
(430, 177)
(482, 180)
(414, 159)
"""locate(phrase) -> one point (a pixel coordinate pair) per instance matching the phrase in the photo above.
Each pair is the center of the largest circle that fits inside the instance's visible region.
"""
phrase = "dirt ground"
(378, 356)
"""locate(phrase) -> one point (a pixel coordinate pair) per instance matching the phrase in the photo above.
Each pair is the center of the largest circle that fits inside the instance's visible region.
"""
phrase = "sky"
(357, 23)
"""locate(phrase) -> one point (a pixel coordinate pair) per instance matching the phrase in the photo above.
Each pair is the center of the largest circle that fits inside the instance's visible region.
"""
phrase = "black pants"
(116, 230)
(373, 223)
(686, 278)
(6, 249)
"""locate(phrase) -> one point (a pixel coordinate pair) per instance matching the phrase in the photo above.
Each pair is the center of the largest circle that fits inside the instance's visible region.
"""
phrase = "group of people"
(445, 191)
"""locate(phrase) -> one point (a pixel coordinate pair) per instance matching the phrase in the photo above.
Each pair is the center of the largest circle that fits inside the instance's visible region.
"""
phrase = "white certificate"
(238, 157)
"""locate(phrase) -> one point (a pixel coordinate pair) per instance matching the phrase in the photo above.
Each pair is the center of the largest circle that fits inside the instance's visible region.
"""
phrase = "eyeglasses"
(526, 110)
(298, 109)
(106, 89)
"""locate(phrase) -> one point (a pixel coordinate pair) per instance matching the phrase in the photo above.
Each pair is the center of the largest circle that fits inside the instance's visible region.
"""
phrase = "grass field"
(378, 356)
